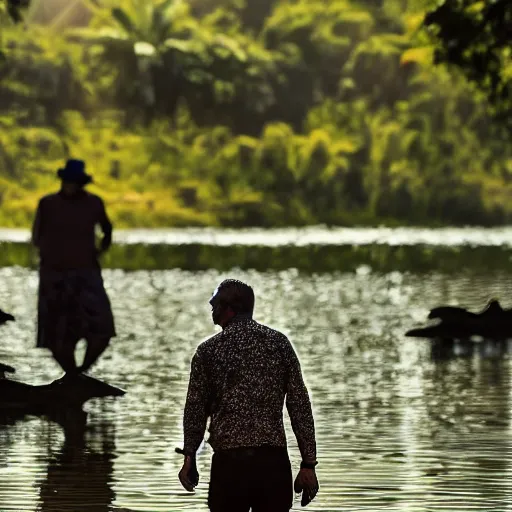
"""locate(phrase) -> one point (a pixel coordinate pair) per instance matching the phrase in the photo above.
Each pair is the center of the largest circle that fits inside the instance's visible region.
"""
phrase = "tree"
(166, 56)
(10, 10)
(476, 37)
(13, 8)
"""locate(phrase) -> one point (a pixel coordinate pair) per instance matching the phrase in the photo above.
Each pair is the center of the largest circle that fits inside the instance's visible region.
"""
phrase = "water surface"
(396, 430)
(314, 235)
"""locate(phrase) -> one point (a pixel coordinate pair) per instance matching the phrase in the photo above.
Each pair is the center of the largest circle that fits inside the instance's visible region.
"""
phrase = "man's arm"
(37, 225)
(299, 408)
(196, 407)
(106, 227)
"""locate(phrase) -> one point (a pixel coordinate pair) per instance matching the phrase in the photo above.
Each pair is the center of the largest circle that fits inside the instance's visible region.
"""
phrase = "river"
(397, 430)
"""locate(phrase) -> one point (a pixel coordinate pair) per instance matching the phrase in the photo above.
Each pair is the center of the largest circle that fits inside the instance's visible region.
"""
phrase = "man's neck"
(237, 318)
(75, 195)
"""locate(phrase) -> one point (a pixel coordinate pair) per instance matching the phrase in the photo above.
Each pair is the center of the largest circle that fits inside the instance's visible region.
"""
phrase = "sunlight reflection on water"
(396, 430)
(315, 235)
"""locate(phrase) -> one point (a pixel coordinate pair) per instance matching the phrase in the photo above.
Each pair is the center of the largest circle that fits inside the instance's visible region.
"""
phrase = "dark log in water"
(5, 368)
(493, 323)
(66, 392)
(5, 317)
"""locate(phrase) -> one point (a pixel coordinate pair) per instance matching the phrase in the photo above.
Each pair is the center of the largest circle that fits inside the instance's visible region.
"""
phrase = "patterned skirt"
(72, 305)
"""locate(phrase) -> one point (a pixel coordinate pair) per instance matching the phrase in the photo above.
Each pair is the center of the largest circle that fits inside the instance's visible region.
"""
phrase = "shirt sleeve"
(196, 406)
(106, 225)
(299, 407)
(37, 225)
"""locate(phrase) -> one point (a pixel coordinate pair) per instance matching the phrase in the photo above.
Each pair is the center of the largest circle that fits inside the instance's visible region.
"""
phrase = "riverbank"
(311, 250)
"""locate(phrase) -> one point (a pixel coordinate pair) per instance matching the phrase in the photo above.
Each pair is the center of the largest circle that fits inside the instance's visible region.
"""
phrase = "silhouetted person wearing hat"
(73, 303)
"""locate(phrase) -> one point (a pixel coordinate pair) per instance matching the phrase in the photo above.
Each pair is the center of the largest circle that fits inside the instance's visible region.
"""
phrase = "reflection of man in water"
(73, 304)
(240, 379)
(79, 478)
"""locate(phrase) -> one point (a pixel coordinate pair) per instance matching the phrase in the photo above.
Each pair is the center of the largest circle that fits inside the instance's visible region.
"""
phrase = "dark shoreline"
(312, 258)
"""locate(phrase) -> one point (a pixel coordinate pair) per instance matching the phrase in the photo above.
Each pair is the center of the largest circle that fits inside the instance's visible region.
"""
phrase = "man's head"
(73, 177)
(231, 298)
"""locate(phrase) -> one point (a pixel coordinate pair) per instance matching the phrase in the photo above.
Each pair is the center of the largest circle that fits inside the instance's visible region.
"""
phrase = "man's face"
(217, 310)
(70, 188)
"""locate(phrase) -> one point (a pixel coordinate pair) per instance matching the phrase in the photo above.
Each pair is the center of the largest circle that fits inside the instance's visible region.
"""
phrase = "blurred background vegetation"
(259, 112)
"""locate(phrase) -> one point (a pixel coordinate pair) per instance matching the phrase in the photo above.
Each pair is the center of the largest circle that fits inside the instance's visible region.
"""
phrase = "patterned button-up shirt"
(240, 379)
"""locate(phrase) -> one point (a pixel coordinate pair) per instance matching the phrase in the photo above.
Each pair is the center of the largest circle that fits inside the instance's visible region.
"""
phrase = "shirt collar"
(239, 318)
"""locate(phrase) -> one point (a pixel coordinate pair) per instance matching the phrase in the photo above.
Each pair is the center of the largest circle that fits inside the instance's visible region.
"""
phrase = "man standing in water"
(240, 378)
(72, 302)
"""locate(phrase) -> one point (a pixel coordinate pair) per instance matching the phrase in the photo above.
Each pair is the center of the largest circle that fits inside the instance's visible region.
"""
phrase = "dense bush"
(289, 112)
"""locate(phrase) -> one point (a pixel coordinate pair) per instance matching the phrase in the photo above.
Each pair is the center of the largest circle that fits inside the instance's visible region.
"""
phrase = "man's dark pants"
(251, 478)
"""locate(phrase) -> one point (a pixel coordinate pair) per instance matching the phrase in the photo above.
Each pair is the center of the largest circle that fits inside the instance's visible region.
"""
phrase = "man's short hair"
(237, 295)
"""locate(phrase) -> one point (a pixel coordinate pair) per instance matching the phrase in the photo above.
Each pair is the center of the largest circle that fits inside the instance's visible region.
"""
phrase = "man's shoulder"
(94, 198)
(271, 332)
(48, 198)
(262, 330)
(208, 343)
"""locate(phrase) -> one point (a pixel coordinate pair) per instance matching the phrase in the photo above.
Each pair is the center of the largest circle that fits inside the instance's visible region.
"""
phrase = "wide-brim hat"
(74, 172)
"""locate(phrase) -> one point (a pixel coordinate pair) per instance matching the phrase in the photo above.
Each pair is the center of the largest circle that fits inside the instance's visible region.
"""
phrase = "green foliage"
(166, 56)
(10, 12)
(13, 9)
(475, 36)
(308, 259)
(314, 113)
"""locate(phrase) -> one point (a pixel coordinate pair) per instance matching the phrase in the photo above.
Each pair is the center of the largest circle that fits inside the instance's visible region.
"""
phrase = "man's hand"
(105, 245)
(307, 483)
(189, 476)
